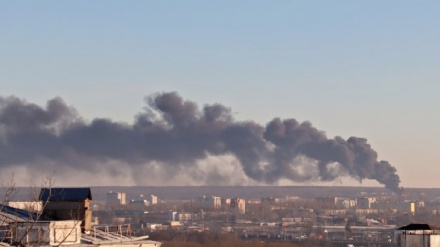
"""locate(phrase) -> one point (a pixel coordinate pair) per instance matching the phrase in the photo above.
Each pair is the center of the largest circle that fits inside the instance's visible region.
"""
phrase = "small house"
(420, 235)
(68, 204)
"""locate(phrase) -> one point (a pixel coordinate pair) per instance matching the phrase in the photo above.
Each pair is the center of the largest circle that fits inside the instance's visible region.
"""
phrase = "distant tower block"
(238, 204)
(209, 201)
(153, 199)
(116, 198)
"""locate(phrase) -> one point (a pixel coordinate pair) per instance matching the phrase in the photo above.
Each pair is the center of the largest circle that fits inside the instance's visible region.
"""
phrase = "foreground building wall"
(422, 240)
(46, 233)
(68, 204)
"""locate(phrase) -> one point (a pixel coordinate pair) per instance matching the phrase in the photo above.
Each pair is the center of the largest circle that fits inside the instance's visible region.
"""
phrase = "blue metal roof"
(65, 194)
(23, 214)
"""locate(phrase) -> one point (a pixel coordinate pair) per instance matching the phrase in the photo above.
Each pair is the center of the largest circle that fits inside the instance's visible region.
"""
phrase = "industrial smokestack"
(177, 133)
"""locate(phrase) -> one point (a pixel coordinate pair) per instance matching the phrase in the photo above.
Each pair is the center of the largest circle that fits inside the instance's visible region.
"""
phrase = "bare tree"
(25, 224)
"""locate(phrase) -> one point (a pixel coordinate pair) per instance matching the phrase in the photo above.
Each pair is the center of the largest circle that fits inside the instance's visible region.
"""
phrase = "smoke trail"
(178, 133)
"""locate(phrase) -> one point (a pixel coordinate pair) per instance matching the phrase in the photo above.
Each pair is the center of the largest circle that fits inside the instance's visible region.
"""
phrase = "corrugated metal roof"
(22, 214)
(65, 194)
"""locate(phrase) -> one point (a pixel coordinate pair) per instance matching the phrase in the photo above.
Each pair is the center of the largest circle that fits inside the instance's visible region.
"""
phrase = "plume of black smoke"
(177, 133)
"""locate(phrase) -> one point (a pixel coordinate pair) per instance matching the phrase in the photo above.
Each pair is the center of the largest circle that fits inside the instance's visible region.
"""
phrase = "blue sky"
(352, 68)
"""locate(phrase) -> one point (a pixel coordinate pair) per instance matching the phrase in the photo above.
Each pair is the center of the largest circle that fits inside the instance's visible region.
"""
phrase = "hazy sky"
(352, 68)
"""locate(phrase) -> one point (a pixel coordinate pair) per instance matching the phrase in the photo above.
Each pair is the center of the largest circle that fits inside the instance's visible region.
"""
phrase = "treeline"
(209, 239)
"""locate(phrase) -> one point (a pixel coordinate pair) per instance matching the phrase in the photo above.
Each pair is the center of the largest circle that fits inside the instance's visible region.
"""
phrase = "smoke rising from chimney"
(177, 133)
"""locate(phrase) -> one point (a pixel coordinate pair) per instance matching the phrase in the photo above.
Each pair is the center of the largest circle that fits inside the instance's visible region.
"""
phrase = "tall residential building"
(153, 199)
(238, 204)
(116, 198)
(209, 201)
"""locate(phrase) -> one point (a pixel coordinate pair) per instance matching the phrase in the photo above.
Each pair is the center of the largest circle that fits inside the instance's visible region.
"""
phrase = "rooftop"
(65, 194)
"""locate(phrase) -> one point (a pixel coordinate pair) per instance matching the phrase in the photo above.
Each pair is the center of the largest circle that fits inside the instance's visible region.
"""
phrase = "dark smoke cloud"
(178, 133)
